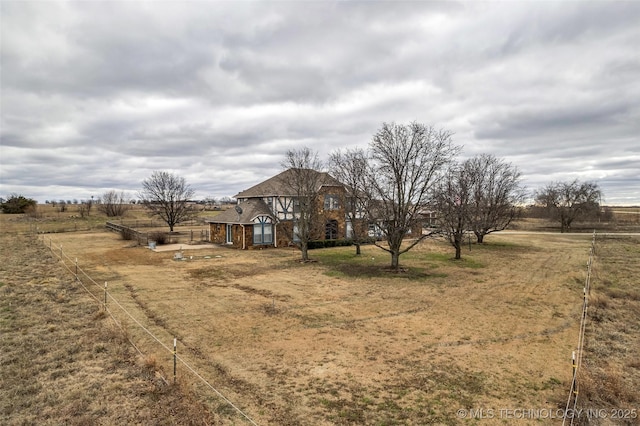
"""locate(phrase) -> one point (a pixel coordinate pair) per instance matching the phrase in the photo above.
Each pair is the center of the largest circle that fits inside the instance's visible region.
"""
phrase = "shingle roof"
(276, 185)
(250, 210)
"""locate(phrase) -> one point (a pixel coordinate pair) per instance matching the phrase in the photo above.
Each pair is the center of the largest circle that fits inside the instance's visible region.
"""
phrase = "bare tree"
(569, 201)
(167, 196)
(351, 168)
(452, 199)
(303, 181)
(407, 161)
(113, 204)
(496, 192)
(85, 207)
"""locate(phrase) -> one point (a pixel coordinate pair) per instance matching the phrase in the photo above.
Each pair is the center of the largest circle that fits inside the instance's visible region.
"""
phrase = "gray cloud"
(97, 95)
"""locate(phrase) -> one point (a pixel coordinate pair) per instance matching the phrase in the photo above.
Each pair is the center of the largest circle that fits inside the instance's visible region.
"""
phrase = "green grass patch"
(343, 262)
(448, 259)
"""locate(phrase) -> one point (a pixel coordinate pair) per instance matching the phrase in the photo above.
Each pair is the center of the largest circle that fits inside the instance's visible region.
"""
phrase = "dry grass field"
(63, 361)
(336, 341)
(611, 377)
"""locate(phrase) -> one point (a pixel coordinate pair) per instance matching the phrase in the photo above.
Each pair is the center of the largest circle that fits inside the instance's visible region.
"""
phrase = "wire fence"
(145, 238)
(108, 300)
(577, 355)
(151, 223)
(73, 223)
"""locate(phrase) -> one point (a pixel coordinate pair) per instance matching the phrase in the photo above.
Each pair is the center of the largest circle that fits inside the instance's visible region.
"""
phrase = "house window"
(229, 237)
(331, 230)
(262, 230)
(375, 231)
(331, 202)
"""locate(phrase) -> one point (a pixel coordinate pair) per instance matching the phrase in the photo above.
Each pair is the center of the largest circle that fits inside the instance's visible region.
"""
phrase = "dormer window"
(331, 202)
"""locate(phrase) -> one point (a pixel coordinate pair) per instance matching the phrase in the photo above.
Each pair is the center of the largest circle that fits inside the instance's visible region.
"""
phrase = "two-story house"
(265, 214)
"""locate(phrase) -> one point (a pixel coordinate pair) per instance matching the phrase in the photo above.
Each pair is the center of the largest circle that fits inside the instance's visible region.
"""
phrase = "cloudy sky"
(96, 95)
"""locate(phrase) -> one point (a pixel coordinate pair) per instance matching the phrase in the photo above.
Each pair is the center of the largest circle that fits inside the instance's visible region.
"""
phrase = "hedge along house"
(265, 214)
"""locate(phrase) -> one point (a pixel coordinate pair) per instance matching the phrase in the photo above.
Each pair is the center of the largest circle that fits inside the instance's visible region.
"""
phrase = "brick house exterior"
(264, 215)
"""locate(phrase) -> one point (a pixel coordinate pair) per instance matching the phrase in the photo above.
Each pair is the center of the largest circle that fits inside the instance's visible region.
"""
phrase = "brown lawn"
(342, 341)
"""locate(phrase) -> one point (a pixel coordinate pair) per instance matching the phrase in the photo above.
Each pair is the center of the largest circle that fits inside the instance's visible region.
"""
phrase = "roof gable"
(277, 185)
(250, 210)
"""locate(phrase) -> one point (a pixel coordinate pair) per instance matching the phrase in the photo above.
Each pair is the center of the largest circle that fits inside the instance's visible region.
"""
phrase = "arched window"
(262, 230)
(331, 230)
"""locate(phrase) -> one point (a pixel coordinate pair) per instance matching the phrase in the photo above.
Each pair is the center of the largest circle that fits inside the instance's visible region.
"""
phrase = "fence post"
(175, 356)
(61, 253)
(574, 368)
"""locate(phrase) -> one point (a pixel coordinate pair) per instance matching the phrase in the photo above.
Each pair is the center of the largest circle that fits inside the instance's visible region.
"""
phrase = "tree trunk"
(305, 252)
(458, 252)
(357, 249)
(457, 243)
(480, 237)
(395, 260)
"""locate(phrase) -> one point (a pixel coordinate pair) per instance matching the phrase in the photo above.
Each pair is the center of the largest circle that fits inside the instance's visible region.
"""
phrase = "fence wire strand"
(578, 354)
(79, 270)
(59, 253)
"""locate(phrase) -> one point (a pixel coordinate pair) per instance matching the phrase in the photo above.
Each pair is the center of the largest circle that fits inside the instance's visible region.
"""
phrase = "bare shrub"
(32, 212)
(113, 204)
(159, 237)
(604, 388)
